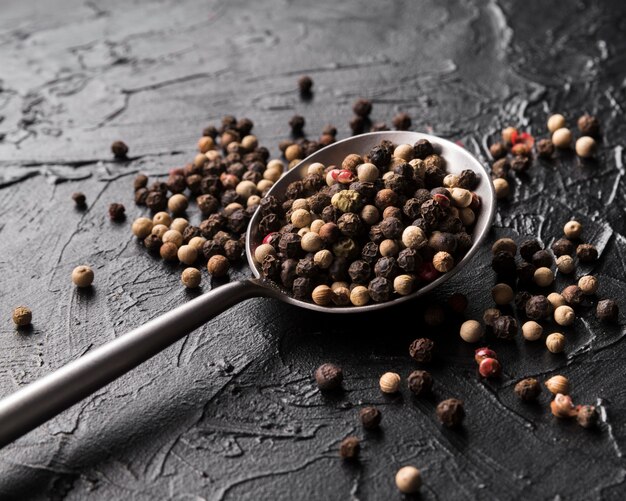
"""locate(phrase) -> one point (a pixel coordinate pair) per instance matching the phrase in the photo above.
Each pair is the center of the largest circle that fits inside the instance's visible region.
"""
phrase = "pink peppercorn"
(489, 367)
(482, 353)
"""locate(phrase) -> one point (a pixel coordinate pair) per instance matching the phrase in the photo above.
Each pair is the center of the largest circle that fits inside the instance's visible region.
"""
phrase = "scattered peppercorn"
(22, 316)
(531, 330)
(421, 350)
(573, 295)
(362, 107)
(191, 278)
(562, 406)
(586, 147)
(589, 125)
(401, 121)
(586, 253)
(562, 138)
(556, 122)
(408, 480)
(420, 382)
(119, 149)
(505, 327)
(82, 276)
(555, 342)
(607, 310)
(588, 284)
(489, 367)
(389, 382)
(350, 448)
(305, 85)
(528, 389)
(117, 212)
(538, 307)
(370, 417)
(471, 331)
(497, 150)
(450, 412)
(558, 384)
(545, 148)
(79, 199)
(328, 377)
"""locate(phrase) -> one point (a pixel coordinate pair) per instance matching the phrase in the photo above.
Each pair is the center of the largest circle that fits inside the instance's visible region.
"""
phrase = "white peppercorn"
(162, 218)
(323, 259)
(367, 173)
(301, 218)
(562, 138)
(404, 151)
(403, 284)
(316, 225)
(311, 242)
(461, 197)
(187, 254)
(443, 262)
(389, 247)
(555, 342)
(179, 224)
(370, 214)
(408, 480)
(359, 296)
(558, 384)
(414, 237)
(572, 229)
(586, 147)
(502, 294)
(159, 230)
(173, 236)
(565, 264)
(178, 203)
(253, 200)
(322, 295)
(191, 278)
(588, 284)
(531, 330)
(262, 251)
(300, 203)
(82, 276)
(142, 227)
(564, 315)
(451, 181)
(197, 243)
(501, 187)
(556, 300)
(389, 382)
(543, 276)
(556, 122)
(471, 331)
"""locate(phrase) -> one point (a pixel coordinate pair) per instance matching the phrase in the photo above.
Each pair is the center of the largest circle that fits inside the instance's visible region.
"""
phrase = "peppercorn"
(504, 244)
(562, 247)
(79, 199)
(502, 294)
(586, 147)
(587, 416)
(388, 248)
(521, 298)
(297, 123)
(505, 327)
(191, 278)
(156, 201)
(588, 284)
(555, 342)
(141, 227)
(528, 389)
(573, 295)
(322, 295)
(187, 254)
(116, 212)
(450, 412)
(520, 163)
(542, 259)
(350, 448)
(528, 248)
(173, 236)
(497, 150)
(562, 138)
(565, 264)
(370, 417)
(607, 310)
(22, 316)
(401, 121)
(328, 377)
(412, 236)
(362, 107)
(589, 125)
(218, 266)
(359, 296)
(545, 148)
(119, 149)
(481, 354)
(555, 122)
(562, 406)
(421, 349)
(179, 224)
(169, 251)
(500, 170)
(573, 229)
(408, 480)
(507, 135)
(471, 331)
(393, 212)
(543, 276)
(82, 276)
(305, 85)
(531, 330)
(380, 289)
(443, 262)
(489, 367)
(538, 307)
(152, 243)
(389, 382)
(503, 263)
(558, 384)
(490, 315)
(403, 284)
(556, 300)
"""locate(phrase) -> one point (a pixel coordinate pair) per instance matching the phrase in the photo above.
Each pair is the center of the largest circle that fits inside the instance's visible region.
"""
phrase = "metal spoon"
(43, 399)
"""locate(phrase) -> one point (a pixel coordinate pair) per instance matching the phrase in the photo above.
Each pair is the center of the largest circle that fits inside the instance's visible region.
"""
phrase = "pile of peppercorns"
(377, 227)
(514, 152)
(450, 412)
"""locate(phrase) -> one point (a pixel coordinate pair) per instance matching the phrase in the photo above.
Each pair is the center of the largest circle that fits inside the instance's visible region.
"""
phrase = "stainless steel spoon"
(43, 399)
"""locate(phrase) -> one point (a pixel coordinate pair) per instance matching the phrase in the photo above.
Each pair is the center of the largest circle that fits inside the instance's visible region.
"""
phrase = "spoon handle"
(43, 399)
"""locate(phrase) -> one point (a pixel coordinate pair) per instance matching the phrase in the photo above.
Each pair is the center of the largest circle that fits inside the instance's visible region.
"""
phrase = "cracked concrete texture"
(231, 411)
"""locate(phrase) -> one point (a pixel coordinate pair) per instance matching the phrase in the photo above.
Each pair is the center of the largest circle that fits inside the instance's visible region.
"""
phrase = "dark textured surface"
(231, 412)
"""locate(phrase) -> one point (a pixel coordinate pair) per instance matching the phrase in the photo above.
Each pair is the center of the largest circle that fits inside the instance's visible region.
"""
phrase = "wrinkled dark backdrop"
(230, 412)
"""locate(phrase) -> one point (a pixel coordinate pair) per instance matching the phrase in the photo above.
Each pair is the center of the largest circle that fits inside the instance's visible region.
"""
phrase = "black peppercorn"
(350, 448)
(450, 412)
(119, 149)
(409, 260)
(357, 125)
(302, 288)
(503, 263)
(328, 377)
(244, 126)
(297, 123)
(543, 258)
(152, 242)
(497, 150)
(117, 212)
(607, 310)
(422, 149)
(212, 248)
(288, 272)
(237, 222)
(369, 252)
(386, 267)
(391, 227)
(505, 326)
(362, 107)
(463, 243)
(422, 349)
(500, 168)
(380, 289)
(156, 201)
(210, 226)
(526, 273)
(468, 179)
(528, 248)
(289, 244)
(521, 298)
(370, 417)
(140, 181)
(528, 389)
(338, 270)
(80, 199)
(538, 307)
(562, 247)
(586, 253)
(420, 382)
(431, 212)
(306, 267)
(349, 224)
(271, 267)
(442, 241)
(233, 250)
(268, 224)
(401, 121)
(379, 156)
(190, 232)
(305, 85)
(360, 272)
(545, 148)
(589, 125)
(141, 195)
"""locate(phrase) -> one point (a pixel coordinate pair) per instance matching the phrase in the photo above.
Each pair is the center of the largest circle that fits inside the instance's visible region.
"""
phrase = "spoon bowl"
(34, 404)
(457, 160)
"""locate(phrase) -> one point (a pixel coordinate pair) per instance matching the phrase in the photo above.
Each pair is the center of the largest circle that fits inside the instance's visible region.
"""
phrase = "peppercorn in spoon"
(34, 404)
